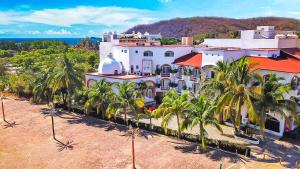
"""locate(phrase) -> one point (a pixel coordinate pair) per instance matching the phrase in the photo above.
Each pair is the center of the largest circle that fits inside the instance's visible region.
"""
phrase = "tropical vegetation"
(202, 113)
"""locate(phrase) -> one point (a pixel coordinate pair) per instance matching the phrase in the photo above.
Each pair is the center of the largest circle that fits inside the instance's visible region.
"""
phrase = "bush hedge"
(221, 144)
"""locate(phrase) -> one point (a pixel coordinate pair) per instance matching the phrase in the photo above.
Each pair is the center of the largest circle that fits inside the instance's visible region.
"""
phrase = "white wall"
(288, 43)
(158, 57)
(242, 43)
(120, 55)
(212, 57)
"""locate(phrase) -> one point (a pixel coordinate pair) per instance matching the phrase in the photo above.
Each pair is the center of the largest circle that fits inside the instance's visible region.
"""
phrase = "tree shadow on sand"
(99, 123)
(8, 124)
(59, 113)
(215, 155)
(69, 145)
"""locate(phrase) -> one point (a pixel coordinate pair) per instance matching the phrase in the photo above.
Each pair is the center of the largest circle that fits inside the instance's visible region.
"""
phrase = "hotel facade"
(141, 58)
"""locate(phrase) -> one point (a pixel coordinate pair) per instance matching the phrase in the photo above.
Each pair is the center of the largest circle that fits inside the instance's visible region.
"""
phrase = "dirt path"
(93, 144)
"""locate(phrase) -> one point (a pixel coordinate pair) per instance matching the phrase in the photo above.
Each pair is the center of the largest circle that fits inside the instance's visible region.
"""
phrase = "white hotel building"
(185, 66)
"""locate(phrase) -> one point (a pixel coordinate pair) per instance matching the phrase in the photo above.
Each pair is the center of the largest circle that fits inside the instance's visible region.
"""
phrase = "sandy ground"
(92, 144)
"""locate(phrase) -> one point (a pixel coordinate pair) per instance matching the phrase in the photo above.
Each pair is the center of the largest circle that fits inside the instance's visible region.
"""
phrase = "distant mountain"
(213, 27)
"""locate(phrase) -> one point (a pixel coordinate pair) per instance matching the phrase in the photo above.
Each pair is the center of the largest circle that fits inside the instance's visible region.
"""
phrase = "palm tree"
(66, 78)
(173, 104)
(271, 99)
(239, 92)
(127, 98)
(99, 95)
(202, 114)
(41, 90)
(216, 87)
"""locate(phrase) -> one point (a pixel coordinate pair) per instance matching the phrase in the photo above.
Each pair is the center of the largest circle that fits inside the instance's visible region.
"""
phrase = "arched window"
(148, 53)
(169, 54)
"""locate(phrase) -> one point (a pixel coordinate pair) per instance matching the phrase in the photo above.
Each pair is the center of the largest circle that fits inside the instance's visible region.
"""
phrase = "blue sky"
(80, 18)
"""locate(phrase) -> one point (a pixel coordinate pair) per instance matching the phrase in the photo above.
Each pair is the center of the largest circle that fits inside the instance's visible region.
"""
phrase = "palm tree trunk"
(98, 110)
(202, 137)
(125, 117)
(221, 118)
(102, 112)
(178, 125)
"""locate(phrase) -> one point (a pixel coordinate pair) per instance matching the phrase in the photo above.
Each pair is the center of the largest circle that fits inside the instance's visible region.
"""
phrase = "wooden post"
(133, 155)
(220, 164)
(3, 114)
(297, 164)
(53, 132)
(264, 156)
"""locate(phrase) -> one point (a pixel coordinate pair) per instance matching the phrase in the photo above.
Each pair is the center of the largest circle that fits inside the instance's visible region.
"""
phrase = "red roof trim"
(192, 59)
(288, 64)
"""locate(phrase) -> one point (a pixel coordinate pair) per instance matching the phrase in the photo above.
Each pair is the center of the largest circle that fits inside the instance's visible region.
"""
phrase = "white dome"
(110, 66)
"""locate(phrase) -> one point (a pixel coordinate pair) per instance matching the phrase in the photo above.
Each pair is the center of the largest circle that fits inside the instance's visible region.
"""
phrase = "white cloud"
(59, 32)
(294, 13)
(108, 16)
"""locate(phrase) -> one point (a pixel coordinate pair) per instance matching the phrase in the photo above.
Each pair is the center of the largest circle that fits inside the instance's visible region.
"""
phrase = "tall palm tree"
(126, 99)
(215, 87)
(66, 78)
(99, 95)
(173, 104)
(271, 99)
(201, 114)
(239, 92)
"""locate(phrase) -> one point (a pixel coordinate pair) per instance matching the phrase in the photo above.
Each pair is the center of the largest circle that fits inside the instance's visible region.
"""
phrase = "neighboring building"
(129, 57)
(262, 37)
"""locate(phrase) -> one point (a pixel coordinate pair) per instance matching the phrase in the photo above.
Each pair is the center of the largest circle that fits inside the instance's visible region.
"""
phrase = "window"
(165, 70)
(181, 85)
(137, 67)
(131, 69)
(125, 51)
(121, 50)
(136, 51)
(169, 54)
(212, 74)
(195, 87)
(165, 84)
(148, 53)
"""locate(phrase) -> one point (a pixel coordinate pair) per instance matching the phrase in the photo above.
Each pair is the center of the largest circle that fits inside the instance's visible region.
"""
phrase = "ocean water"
(70, 41)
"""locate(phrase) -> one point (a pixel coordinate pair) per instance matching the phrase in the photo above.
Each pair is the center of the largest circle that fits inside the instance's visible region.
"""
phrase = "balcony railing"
(165, 74)
(178, 76)
(165, 87)
(193, 78)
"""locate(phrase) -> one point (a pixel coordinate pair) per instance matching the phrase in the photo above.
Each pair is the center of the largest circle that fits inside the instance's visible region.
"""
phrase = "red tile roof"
(287, 64)
(292, 51)
(191, 59)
